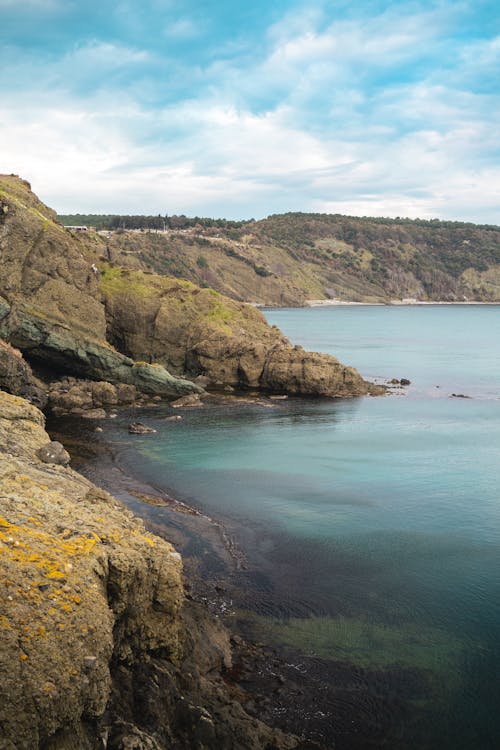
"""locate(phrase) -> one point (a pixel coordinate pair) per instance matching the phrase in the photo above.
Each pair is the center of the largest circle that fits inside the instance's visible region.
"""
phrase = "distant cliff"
(288, 259)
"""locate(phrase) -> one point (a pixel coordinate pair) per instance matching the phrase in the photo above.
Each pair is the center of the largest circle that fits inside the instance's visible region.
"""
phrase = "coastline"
(394, 302)
(302, 695)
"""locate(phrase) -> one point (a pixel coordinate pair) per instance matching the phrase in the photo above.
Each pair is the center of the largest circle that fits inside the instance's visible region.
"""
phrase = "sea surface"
(370, 528)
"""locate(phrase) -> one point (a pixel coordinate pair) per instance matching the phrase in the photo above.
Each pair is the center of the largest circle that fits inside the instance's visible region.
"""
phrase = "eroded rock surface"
(199, 332)
(50, 300)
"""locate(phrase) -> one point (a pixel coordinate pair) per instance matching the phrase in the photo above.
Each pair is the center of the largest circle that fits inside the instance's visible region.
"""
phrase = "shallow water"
(371, 527)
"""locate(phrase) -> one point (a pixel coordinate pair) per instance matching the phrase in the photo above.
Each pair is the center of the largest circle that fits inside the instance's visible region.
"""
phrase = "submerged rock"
(191, 400)
(138, 428)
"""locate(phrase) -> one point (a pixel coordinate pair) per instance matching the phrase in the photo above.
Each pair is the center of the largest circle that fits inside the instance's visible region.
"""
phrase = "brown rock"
(192, 400)
(95, 626)
(104, 394)
(138, 428)
(200, 332)
(16, 376)
(94, 414)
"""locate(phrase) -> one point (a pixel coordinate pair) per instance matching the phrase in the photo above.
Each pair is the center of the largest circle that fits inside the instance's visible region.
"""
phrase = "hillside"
(291, 258)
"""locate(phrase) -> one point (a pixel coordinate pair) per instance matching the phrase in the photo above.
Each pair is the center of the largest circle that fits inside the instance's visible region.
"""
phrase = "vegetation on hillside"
(289, 258)
(158, 222)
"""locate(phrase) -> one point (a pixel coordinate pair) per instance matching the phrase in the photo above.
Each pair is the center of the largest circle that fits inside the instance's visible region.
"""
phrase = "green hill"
(291, 258)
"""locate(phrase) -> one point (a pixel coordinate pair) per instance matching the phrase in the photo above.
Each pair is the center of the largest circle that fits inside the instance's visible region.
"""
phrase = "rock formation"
(51, 308)
(199, 332)
(50, 304)
(16, 376)
(99, 648)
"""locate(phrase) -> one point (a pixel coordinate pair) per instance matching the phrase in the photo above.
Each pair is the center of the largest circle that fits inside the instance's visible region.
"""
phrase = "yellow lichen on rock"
(81, 582)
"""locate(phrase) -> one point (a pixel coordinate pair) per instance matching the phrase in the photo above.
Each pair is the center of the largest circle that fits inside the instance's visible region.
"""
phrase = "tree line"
(140, 221)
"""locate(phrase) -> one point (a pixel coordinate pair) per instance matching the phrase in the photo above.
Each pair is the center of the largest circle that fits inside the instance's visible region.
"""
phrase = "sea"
(366, 531)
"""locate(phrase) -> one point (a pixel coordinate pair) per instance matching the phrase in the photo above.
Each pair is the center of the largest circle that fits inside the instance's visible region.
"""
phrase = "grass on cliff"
(182, 300)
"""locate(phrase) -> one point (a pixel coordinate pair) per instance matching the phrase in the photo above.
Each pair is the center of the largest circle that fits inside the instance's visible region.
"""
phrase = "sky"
(243, 109)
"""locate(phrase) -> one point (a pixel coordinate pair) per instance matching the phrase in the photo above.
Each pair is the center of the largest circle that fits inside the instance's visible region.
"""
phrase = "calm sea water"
(371, 526)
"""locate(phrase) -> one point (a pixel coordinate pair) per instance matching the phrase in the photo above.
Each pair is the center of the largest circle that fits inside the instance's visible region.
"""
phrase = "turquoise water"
(371, 527)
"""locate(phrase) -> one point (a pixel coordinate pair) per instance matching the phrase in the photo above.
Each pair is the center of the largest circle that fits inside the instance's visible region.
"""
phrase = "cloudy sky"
(241, 109)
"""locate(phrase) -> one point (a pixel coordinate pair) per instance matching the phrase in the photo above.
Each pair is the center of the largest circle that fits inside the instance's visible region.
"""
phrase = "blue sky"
(233, 109)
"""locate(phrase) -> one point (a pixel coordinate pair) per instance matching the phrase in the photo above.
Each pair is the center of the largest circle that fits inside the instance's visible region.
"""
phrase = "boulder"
(94, 414)
(54, 453)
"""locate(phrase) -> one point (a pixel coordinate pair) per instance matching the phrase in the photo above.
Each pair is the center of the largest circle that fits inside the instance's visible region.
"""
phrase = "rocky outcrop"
(99, 647)
(16, 376)
(79, 397)
(200, 332)
(50, 302)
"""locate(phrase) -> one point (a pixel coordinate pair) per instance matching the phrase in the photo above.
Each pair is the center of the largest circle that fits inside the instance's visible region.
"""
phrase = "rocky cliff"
(67, 309)
(199, 332)
(50, 302)
(99, 647)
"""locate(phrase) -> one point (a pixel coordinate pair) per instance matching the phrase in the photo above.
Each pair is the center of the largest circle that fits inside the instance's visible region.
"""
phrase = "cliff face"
(99, 648)
(200, 332)
(50, 303)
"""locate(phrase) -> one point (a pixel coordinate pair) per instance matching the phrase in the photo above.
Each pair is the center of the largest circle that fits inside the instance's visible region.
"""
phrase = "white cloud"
(296, 130)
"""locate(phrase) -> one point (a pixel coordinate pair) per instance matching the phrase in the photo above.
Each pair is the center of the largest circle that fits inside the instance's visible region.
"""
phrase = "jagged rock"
(138, 428)
(405, 381)
(54, 342)
(16, 376)
(51, 308)
(202, 381)
(54, 453)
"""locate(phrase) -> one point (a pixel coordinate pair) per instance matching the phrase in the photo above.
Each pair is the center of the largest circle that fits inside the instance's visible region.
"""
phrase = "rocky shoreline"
(319, 699)
(299, 695)
(101, 646)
